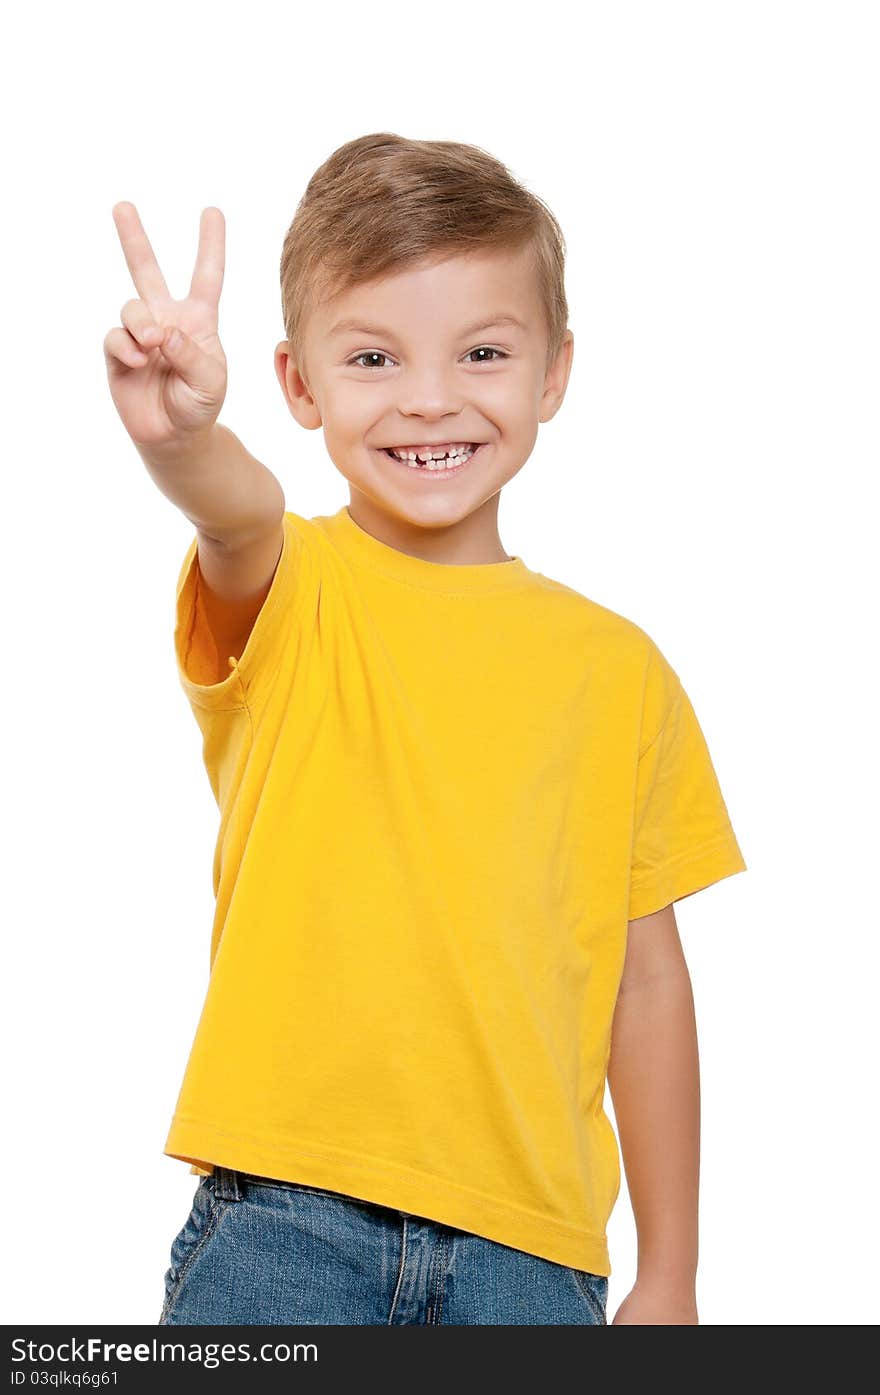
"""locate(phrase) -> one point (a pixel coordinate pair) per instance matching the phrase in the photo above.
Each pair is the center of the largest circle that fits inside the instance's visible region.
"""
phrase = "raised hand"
(168, 392)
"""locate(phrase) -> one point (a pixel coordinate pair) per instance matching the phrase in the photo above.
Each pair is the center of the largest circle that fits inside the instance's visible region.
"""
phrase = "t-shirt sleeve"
(249, 672)
(682, 836)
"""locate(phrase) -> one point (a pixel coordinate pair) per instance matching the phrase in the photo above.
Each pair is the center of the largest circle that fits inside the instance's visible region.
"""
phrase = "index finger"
(139, 255)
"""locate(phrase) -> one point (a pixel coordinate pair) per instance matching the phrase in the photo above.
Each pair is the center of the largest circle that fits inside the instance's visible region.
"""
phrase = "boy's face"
(424, 362)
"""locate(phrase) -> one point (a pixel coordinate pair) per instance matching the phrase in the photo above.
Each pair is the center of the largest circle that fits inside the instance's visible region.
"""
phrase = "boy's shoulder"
(612, 643)
(603, 625)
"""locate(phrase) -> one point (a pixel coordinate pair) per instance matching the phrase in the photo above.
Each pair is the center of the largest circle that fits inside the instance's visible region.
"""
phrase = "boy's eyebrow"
(345, 326)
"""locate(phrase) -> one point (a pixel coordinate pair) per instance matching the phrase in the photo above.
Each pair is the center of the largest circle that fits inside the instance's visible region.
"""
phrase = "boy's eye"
(487, 349)
(374, 353)
(368, 353)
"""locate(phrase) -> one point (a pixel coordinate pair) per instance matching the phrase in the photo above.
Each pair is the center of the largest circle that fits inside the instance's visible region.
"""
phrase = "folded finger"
(120, 347)
(141, 323)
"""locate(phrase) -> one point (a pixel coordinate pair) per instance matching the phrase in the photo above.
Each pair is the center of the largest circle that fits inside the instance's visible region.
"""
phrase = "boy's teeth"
(432, 457)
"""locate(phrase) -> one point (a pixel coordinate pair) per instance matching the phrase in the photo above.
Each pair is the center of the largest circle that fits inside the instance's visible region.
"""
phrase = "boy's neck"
(465, 542)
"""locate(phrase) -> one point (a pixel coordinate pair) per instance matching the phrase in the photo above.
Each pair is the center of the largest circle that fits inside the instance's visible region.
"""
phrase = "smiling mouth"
(436, 469)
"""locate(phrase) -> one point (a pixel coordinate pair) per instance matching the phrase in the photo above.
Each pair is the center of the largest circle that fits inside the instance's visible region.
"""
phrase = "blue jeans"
(255, 1250)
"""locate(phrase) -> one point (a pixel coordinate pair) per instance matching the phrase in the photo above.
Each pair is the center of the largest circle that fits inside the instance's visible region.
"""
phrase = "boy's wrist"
(671, 1274)
(183, 451)
(658, 1303)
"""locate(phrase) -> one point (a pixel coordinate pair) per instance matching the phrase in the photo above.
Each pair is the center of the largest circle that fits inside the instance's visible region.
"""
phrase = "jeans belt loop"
(226, 1184)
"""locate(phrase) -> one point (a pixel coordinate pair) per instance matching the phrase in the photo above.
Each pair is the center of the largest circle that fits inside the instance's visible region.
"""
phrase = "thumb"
(197, 368)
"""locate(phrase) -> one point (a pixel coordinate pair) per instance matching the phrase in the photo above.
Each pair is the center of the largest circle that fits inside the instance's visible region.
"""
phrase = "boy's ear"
(295, 388)
(557, 377)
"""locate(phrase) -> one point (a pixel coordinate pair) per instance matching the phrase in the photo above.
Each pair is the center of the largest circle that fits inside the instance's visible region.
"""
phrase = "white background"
(711, 476)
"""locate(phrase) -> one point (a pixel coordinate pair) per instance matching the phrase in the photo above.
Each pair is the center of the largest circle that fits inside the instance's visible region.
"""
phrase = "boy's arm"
(225, 492)
(653, 1075)
(237, 507)
(167, 375)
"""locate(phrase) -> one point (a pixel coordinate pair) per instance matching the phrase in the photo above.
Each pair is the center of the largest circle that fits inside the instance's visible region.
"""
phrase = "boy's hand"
(658, 1304)
(168, 396)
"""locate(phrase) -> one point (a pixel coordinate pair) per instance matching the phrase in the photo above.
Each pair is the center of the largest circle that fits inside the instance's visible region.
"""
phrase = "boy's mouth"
(434, 460)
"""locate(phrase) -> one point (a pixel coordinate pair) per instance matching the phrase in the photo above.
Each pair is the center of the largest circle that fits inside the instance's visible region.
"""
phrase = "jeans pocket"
(594, 1288)
(205, 1212)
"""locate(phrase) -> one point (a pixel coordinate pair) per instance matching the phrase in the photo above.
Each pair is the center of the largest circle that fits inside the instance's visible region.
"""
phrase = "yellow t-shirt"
(443, 792)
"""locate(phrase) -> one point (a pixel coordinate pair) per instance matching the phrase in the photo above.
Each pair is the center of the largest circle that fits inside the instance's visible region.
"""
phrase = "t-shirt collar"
(453, 578)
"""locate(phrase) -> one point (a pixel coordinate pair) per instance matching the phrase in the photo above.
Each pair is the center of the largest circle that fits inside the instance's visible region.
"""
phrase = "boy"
(458, 799)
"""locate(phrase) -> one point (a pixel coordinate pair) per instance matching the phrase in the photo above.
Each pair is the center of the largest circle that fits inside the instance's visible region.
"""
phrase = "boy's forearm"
(223, 490)
(653, 1075)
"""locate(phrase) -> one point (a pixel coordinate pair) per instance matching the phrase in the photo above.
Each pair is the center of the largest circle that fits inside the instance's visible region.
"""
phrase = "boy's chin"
(422, 507)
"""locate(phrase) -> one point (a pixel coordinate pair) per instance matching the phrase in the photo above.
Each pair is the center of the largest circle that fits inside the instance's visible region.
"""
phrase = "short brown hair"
(382, 201)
